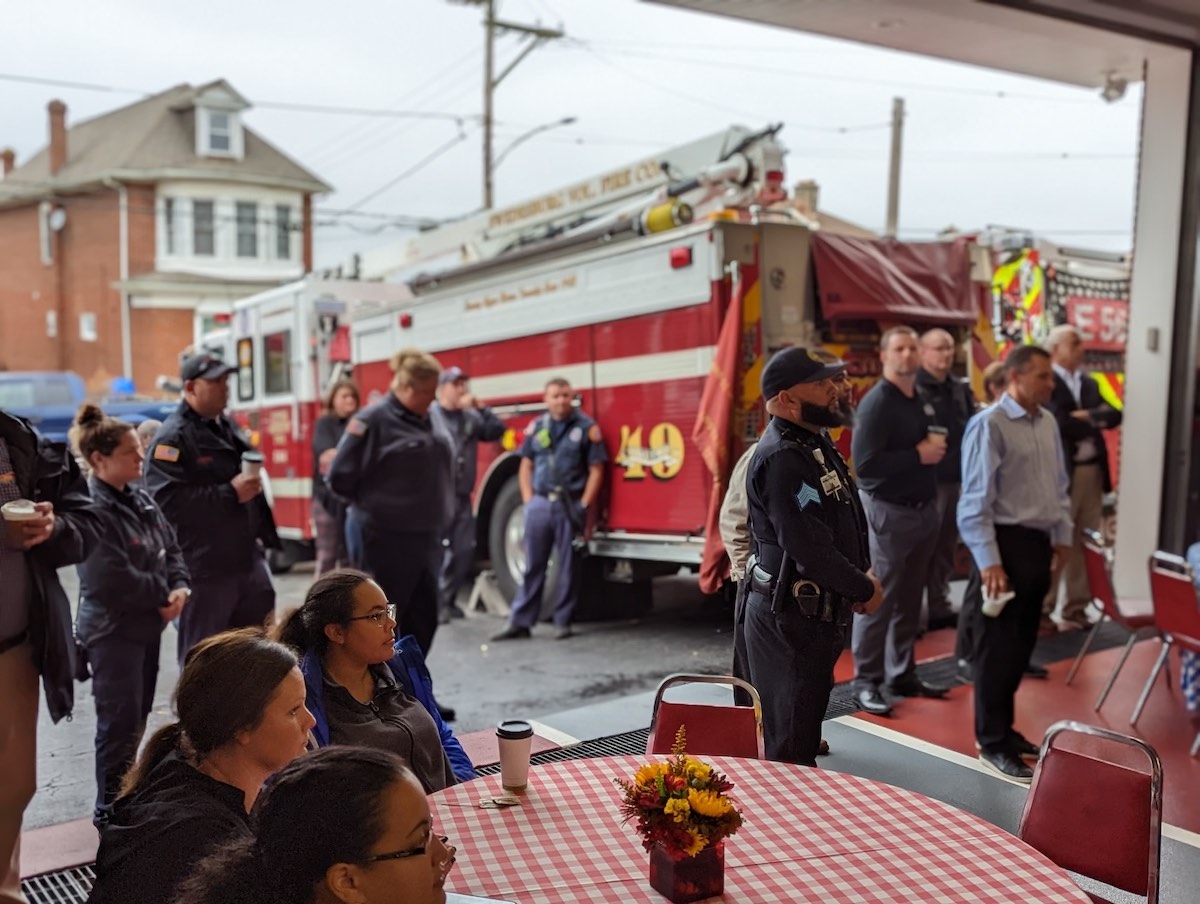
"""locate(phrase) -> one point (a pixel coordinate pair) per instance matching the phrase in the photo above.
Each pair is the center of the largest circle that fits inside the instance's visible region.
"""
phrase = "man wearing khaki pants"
(48, 523)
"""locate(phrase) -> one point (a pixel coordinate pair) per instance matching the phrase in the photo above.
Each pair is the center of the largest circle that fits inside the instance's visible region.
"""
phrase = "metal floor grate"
(631, 743)
(70, 886)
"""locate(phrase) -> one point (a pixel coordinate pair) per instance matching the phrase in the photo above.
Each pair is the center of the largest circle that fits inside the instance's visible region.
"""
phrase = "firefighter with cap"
(809, 570)
(194, 470)
(465, 421)
(562, 468)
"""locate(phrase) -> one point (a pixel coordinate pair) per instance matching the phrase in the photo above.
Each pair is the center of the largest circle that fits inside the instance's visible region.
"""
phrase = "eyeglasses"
(421, 851)
(378, 616)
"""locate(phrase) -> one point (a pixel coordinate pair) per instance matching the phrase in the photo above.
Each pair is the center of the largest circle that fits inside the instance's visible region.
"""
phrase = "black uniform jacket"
(46, 472)
(465, 429)
(1074, 430)
(796, 509)
(188, 472)
(134, 566)
(160, 833)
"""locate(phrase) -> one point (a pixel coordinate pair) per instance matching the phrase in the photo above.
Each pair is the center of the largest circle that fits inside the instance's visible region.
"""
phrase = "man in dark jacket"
(465, 421)
(1081, 414)
(35, 617)
(194, 472)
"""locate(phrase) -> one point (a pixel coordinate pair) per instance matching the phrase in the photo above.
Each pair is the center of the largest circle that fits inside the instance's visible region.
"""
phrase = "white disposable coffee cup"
(515, 739)
(994, 605)
(252, 463)
(19, 510)
(938, 435)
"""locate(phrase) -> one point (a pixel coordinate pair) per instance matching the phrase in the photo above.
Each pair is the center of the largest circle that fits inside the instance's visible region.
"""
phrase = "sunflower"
(709, 803)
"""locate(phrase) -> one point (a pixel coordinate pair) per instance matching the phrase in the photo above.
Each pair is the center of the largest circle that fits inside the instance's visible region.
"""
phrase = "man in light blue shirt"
(1014, 515)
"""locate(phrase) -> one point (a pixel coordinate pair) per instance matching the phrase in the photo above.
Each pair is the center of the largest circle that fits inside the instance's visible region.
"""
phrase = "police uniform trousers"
(124, 678)
(229, 601)
(405, 564)
(741, 662)
(548, 532)
(945, 544)
(458, 553)
(1008, 639)
(18, 760)
(901, 541)
(791, 660)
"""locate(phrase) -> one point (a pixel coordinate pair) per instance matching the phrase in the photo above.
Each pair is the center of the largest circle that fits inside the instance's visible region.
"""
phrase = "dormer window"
(220, 140)
(218, 121)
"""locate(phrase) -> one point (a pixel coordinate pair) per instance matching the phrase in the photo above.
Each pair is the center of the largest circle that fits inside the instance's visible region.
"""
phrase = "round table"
(808, 835)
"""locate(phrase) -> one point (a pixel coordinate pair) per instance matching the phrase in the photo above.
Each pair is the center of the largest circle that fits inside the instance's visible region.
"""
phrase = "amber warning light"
(681, 257)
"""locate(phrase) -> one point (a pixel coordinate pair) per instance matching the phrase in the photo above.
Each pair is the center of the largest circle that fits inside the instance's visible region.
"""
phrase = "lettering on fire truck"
(544, 287)
(663, 457)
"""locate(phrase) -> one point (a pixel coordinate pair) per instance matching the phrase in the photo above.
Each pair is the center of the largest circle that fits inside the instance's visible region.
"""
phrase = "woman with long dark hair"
(240, 701)
(329, 512)
(132, 584)
(366, 688)
(375, 843)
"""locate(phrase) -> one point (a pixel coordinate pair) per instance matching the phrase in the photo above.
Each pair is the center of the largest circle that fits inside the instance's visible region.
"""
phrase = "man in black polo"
(896, 456)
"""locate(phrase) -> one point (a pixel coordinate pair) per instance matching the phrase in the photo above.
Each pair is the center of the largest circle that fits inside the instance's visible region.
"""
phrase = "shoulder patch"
(807, 496)
(594, 434)
(356, 427)
(530, 427)
(576, 435)
(163, 452)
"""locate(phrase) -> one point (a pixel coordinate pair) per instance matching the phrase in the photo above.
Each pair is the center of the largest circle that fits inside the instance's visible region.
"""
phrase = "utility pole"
(893, 196)
(536, 35)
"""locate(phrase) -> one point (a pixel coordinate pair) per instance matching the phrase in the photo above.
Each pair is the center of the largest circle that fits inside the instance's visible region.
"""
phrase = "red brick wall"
(26, 294)
(159, 335)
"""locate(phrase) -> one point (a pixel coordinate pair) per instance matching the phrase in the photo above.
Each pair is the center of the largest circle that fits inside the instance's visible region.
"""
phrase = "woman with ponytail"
(376, 842)
(240, 701)
(365, 687)
(132, 584)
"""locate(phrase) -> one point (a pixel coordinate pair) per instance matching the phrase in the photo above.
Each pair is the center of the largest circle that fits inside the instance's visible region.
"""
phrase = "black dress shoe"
(915, 687)
(1007, 764)
(966, 671)
(1023, 747)
(456, 612)
(823, 748)
(512, 633)
(1037, 671)
(446, 712)
(869, 700)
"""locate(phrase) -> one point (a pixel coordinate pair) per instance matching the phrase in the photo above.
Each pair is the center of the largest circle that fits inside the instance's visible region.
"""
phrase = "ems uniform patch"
(806, 496)
(576, 435)
(594, 435)
(356, 427)
(164, 452)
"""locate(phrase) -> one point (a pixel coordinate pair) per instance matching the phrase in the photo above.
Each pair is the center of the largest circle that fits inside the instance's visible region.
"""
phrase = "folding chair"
(1177, 614)
(1095, 807)
(712, 729)
(1100, 583)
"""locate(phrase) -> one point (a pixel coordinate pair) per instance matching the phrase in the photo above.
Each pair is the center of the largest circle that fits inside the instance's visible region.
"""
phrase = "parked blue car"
(50, 399)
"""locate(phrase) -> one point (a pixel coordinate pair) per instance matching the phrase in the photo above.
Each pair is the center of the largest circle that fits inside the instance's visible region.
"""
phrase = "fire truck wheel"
(506, 547)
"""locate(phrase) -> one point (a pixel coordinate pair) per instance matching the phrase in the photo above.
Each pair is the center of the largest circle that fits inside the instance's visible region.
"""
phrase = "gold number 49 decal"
(663, 457)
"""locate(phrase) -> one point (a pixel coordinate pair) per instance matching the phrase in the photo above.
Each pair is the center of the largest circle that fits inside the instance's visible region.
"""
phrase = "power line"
(416, 167)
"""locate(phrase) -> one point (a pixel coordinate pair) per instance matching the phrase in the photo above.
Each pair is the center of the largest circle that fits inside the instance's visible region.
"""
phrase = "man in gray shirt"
(1015, 517)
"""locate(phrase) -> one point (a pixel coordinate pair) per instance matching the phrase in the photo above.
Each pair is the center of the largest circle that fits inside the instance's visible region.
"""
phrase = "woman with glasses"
(365, 687)
(375, 845)
(240, 701)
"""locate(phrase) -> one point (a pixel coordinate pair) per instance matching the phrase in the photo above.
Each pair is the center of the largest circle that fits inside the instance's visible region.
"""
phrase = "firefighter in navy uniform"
(562, 467)
(193, 469)
(810, 567)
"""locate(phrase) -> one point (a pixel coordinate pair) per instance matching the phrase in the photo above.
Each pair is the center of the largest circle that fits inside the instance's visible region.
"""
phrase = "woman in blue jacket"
(365, 687)
(133, 582)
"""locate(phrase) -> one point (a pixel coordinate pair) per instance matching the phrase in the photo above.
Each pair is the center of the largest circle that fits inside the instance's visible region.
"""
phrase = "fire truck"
(656, 290)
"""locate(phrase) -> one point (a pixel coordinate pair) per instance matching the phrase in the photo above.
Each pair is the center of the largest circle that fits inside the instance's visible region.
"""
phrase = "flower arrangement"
(681, 804)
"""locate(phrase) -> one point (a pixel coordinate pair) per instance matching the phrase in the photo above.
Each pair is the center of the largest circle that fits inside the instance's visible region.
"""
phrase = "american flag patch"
(164, 452)
(356, 427)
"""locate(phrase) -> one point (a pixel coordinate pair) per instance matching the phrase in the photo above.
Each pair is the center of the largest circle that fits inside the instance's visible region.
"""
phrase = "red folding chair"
(1177, 614)
(1095, 807)
(1139, 624)
(712, 729)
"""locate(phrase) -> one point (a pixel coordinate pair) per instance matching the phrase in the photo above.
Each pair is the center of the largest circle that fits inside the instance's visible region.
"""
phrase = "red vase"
(687, 878)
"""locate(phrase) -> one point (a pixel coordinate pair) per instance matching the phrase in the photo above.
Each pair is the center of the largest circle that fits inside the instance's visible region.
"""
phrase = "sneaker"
(1007, 765)
(513, 632)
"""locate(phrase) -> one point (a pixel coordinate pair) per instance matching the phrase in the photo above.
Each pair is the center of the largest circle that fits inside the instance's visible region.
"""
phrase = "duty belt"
(807, 596)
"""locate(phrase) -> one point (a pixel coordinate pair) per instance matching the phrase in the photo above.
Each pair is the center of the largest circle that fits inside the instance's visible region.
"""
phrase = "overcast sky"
(981, 147)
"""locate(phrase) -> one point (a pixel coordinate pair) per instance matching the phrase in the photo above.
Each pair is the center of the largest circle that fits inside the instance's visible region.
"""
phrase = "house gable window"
(218, 121)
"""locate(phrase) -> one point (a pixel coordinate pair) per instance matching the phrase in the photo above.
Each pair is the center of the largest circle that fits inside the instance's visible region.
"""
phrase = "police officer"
(394, 470)
(562, 467)
(465, 421)
(194, 472)
(810, 569)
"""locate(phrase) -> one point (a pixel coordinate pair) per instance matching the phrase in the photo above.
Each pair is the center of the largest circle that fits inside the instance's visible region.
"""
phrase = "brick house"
(131, 233)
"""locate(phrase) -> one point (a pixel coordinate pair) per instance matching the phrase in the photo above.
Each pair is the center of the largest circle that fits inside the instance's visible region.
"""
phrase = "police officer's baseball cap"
(204, 367)
(452, 375)
(796, 365)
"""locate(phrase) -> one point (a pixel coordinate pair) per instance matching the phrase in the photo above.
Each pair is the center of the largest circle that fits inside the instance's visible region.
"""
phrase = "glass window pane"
(283, 232)
(169, 224)
(278, 365)
(247, 229)
(203, 223)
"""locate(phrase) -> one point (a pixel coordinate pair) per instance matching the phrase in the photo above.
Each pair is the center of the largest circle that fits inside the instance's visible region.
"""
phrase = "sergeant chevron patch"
(807, 495)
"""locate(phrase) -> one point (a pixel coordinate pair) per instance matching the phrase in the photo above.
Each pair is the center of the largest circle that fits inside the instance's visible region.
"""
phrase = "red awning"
(883, 279)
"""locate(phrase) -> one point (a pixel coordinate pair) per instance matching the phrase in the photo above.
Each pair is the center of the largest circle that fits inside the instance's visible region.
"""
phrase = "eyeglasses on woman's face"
(444, 863)
(380, 616)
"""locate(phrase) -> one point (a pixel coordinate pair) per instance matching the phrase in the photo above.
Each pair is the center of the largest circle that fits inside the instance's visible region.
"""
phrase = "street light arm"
(521, 139)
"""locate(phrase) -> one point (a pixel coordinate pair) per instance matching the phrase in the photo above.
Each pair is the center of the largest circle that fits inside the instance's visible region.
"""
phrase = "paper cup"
(994, 605)
(252, 463)
(19, 510)
(515, 739)
(937, 435)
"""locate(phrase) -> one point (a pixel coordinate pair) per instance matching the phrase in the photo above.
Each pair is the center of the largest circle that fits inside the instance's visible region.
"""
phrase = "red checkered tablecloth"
(809, 835)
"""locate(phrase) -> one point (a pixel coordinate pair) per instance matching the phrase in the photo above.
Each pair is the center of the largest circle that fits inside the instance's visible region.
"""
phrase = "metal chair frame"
(1171, 567)
(679, 678)
(1106, 597)
(1154, 864)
